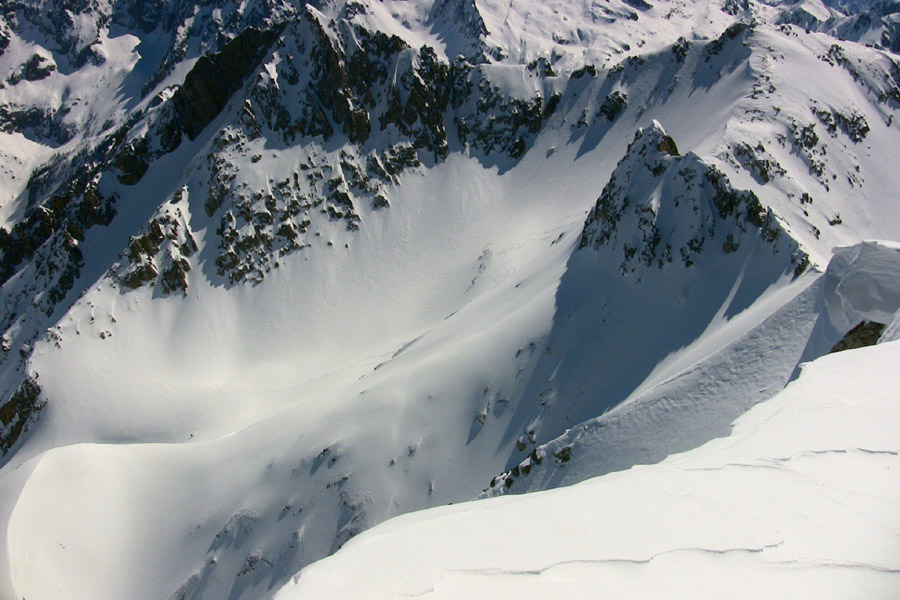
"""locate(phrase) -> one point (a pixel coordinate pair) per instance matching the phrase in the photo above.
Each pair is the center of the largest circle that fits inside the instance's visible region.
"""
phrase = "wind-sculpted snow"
(260, 301)
(667, 230)
(800, 498)
(676, 409)
(861, 283)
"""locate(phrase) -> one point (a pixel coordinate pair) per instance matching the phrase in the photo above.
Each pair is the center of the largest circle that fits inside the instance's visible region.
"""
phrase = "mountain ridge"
(337, 245)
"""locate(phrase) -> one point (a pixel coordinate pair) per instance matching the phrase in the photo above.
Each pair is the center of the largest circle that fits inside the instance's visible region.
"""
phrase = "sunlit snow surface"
(212, 444)
(800, 501)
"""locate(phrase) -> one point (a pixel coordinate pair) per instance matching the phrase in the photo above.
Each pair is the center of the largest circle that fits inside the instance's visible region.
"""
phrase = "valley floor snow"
(801, 501)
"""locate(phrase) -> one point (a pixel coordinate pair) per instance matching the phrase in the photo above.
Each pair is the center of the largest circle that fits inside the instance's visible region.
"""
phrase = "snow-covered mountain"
(784, 503)
(275, 272)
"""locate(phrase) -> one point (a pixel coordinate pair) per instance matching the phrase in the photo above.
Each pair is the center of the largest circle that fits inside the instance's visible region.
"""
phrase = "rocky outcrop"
(866, 333)
(216, 77)
(332, 83)
(851, 124)
(160, 253)
(498, 123)
(417, 104)
(4, 35)
(462, 28)
(464, 13)
(36, 68)
(40, 264)
(20, 409)
(755, 159)
(613, 105)
(660, 207)
(71, 210)
(39, 123)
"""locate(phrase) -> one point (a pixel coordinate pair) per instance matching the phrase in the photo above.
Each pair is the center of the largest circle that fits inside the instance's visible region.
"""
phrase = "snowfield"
(273, 274)
(800, 500)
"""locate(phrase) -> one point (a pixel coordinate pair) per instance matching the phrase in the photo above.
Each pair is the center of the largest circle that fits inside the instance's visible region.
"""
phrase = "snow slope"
(693, 395)
(801, 499)
(255, 306)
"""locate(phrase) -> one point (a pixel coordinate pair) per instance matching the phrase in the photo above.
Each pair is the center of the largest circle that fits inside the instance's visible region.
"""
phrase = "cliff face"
(210, 84)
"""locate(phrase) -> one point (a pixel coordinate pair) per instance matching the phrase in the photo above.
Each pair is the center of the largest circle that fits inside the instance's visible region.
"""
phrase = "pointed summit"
(666, 143)
(660, 207)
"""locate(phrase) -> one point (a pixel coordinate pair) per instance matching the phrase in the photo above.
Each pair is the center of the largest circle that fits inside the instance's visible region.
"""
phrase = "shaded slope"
(669, 255)
(800, 499)
(695, 394)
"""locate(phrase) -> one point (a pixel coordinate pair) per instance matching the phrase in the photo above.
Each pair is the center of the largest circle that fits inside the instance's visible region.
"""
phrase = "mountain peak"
(661, 207)
(656, 136)
(272, 272)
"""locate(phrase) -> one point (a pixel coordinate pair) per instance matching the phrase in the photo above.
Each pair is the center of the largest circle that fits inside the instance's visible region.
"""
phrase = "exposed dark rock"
(461, 17)
(420, 114)
(541, 67)
(332, 83)
(564, 455)
(465, 14)
(374, 168)
(270, 106)
(37, 123)
(885, 85)
(500, 123)
(159, 253)
(38, 67)
(139, 276)
(380, 202)
(763, 167)
(588, 69)
(72, 209)
(639, 4)
(22, 408)
(175, 277)
(132, 162)
(866, 333)
(168, 130)
(667, 145)
(680, 49)
(4, 36)
(398, 158)
(853, 126)
(729, 245)
(733, 32)
(369, 65)
(801, 266)
(216, 77)
(613, 105)
(66, 267)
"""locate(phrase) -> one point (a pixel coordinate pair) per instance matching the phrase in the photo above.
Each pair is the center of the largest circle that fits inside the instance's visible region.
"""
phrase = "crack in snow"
(634, 561)
(837, 565)
(776, 461)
